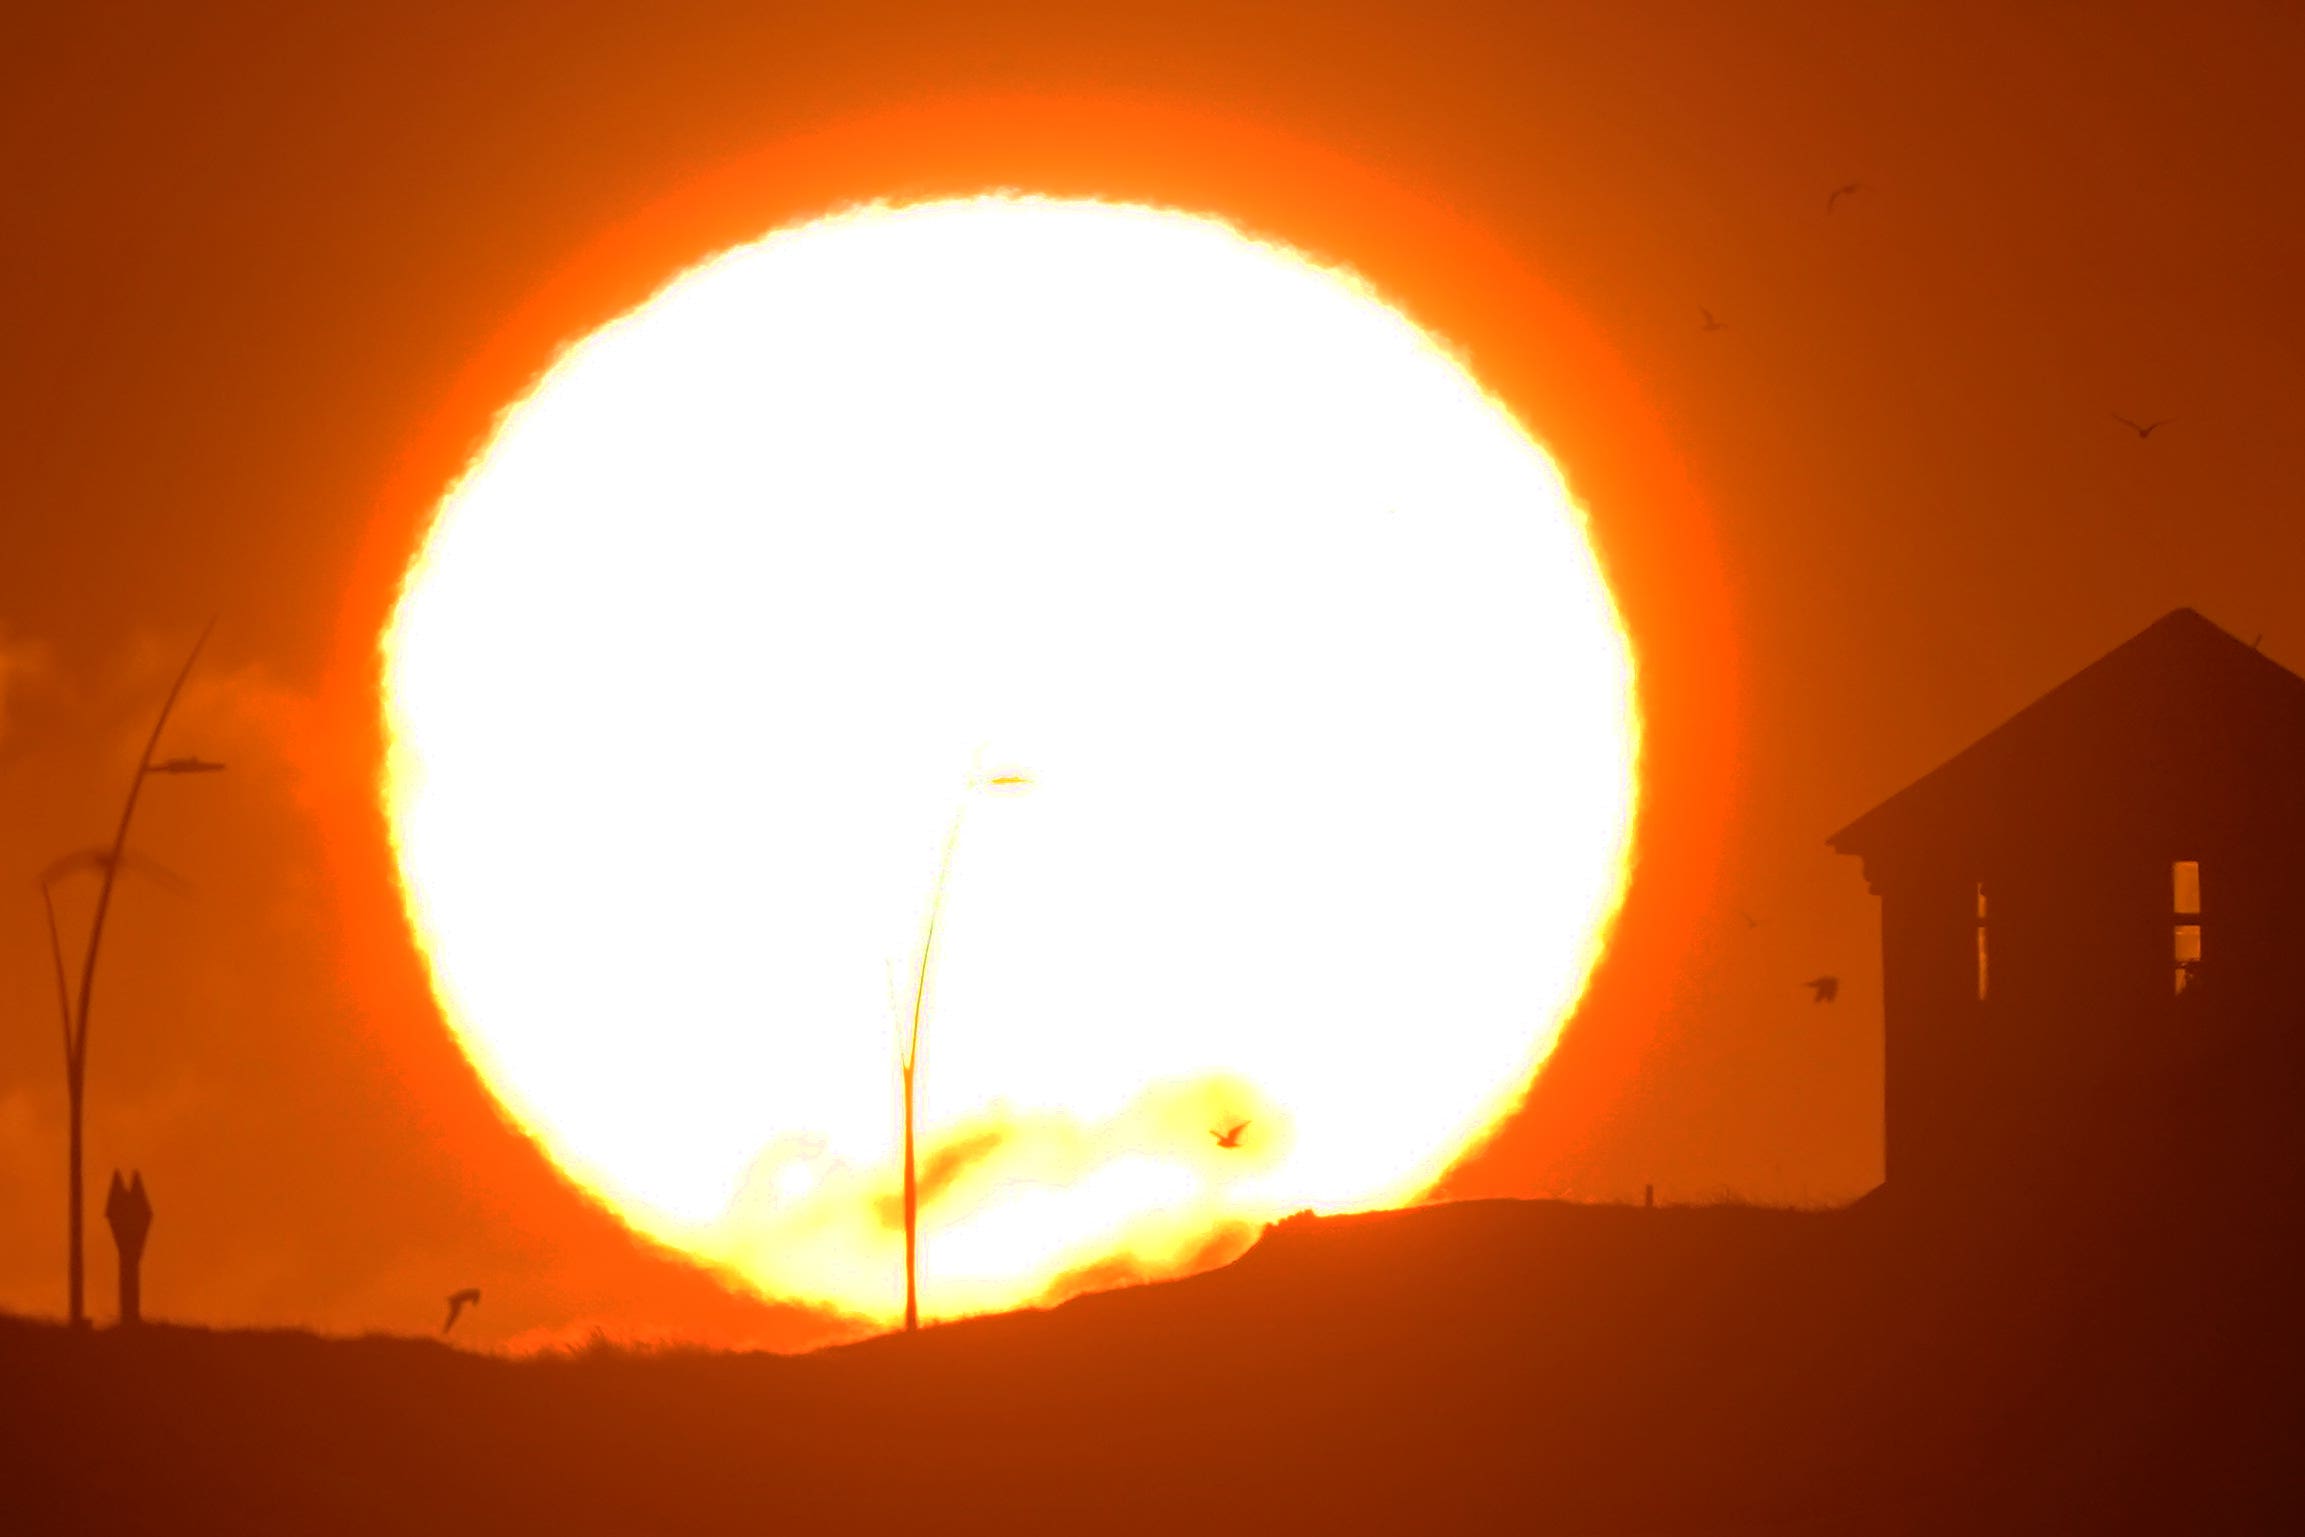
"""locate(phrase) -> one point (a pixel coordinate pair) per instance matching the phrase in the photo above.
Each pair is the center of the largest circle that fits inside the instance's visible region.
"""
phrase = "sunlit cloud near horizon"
(1327, 712)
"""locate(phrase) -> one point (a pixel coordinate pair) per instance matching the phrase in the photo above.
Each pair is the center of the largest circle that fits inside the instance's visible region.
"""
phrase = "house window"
(1984, 974)
(2185, 878)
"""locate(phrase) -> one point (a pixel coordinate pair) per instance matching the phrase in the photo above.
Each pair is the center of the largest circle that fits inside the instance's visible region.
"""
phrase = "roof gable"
(2181, 704)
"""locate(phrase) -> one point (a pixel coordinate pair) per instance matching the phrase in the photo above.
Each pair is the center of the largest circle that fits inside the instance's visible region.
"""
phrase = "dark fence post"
(129, 1211)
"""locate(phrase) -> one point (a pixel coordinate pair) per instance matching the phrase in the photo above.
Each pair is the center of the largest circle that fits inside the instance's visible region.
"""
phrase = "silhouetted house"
(2073, 905)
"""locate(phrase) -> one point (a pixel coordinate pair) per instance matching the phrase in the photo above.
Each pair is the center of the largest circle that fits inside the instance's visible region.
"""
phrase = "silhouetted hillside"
(1488, 1365)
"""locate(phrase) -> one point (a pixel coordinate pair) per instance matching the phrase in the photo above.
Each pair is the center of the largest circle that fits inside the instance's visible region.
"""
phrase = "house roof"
(2182, 714)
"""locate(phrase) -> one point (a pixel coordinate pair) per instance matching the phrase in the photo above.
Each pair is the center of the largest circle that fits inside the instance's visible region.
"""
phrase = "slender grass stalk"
(909, 1067)
(76, 1018)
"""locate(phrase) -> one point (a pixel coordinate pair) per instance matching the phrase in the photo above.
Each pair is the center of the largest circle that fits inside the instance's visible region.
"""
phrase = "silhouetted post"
(906, 1067)
(910, 1061)
(76, 1017)
(129, 1211)
(1648, 1195)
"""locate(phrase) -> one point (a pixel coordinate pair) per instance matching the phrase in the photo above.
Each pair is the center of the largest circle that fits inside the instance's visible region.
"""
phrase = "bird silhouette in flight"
(1751, 922)
(1847, 189)
(458, 1301)
(1826, 988)
(2144, 430)
(1710, 323)
(1230, 1138)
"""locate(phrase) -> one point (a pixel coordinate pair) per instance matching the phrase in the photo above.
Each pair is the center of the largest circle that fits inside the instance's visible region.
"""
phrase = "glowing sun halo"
(1327, 712)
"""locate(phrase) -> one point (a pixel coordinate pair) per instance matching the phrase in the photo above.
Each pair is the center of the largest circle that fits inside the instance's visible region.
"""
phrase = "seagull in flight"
(2144, 430)
(1710, 323)
(1849, 189)
(1230, 1138)
(458, 1301)
(1826, 988)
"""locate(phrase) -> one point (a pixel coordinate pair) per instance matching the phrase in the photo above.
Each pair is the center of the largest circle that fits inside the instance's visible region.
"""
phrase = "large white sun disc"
(1326, 707)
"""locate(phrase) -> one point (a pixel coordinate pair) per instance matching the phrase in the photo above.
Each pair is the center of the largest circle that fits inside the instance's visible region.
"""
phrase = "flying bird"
(1751, 922)
(184, 766)
(1848, 190)
(2146, 429)
(1710, 323)
(1827, 988)
(458, 1301)
(1230, 1138)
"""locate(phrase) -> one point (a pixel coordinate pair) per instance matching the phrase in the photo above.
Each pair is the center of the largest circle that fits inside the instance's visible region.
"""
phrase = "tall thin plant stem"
(76, 1019)
(909, 1065)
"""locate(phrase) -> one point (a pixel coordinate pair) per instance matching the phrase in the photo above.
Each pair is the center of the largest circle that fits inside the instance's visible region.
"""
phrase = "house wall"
(2253, 925)
(1928, 941)
(2080, 1008)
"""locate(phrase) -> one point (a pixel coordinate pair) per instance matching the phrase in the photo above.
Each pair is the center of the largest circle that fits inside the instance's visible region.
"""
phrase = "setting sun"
(1249, 660)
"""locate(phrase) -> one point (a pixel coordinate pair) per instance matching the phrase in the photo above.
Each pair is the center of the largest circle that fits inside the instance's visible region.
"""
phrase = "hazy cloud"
(21, 662)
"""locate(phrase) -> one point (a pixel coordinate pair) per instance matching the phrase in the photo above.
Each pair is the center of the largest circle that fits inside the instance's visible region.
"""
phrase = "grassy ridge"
(1535, 1366)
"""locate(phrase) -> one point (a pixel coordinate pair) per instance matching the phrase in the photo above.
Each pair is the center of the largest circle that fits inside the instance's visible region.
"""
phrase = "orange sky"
(268, 271)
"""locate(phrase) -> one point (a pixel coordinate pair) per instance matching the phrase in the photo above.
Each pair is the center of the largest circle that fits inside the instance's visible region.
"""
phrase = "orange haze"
(276, 272)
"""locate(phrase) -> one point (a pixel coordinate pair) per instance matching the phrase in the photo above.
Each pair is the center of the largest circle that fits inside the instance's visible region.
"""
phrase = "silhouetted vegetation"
(2080, 1315)
(74, 1007)
(2121, 1357)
